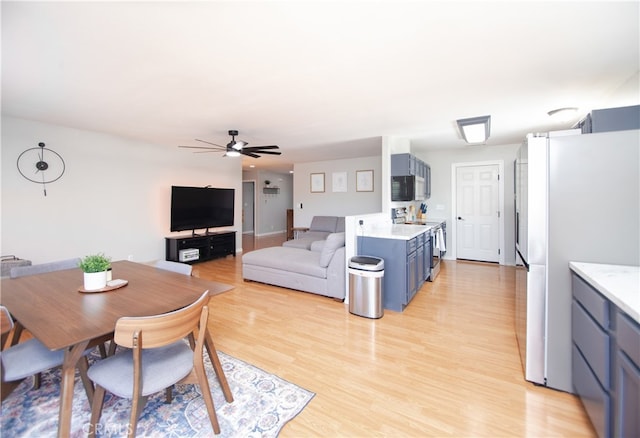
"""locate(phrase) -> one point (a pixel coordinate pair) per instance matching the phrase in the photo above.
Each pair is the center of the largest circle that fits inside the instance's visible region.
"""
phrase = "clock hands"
(44, 187)
(42, 166)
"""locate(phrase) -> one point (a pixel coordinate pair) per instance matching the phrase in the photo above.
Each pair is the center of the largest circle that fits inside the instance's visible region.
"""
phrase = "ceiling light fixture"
(475, 129)
(232, 153)
(563, 114)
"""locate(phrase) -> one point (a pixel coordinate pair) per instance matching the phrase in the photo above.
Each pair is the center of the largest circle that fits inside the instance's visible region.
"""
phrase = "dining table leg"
(71, 357)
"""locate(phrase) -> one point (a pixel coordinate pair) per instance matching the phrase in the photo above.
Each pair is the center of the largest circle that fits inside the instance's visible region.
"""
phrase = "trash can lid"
(367, 263)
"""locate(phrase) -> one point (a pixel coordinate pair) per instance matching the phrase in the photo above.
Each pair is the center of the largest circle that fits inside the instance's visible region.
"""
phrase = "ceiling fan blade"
(208, 142)
(254, 148)
(249, 154)
(267, 152)
(199, 147)
(206, 152)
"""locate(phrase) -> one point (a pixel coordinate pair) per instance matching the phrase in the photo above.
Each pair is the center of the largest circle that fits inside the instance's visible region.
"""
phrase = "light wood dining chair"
(30, 358)
(157, 357)
(180, 268)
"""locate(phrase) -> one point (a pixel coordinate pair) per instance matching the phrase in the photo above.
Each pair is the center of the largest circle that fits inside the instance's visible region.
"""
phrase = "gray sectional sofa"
(320, 269)
(320, 228)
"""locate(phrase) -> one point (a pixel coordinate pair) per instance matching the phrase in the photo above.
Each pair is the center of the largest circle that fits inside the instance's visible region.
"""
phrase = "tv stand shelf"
(210, 246)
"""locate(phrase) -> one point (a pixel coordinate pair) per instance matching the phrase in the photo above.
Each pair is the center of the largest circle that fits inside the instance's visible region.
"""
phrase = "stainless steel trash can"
(365, 286)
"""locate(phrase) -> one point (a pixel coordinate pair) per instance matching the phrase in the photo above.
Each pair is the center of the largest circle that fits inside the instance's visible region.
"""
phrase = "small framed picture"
(339, 183)
(317, 182)
(364, 180)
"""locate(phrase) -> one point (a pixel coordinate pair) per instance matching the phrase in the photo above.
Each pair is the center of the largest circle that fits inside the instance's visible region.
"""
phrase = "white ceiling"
(323, 80)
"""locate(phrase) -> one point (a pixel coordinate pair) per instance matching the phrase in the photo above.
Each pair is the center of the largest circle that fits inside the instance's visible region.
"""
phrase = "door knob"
(460, 219)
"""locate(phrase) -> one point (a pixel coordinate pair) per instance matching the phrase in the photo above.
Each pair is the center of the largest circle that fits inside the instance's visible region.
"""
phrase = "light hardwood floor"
(446, 366)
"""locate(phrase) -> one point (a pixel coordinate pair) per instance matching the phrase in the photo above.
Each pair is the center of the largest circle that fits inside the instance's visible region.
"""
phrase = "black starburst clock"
(41, 165)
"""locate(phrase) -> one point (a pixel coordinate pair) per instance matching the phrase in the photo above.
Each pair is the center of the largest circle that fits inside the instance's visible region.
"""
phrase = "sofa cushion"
(333, 242)
(317, 245)
(306, 239)
(296, 260)
(323, 223)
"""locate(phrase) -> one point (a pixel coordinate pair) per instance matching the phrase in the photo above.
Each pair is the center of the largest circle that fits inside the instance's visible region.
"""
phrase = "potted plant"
(95, 271)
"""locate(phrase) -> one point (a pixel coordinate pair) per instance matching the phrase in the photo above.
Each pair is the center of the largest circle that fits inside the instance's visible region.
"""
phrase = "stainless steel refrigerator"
(577, 199)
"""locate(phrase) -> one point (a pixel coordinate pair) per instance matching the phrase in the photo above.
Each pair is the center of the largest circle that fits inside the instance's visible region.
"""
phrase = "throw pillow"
(333, 242)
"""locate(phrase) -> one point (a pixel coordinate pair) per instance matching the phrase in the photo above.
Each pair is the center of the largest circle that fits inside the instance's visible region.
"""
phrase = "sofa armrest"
(336, 274)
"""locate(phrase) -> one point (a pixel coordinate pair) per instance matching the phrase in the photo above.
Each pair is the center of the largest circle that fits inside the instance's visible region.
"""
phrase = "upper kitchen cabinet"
(403, 165)
(427, 181)
(410, 165)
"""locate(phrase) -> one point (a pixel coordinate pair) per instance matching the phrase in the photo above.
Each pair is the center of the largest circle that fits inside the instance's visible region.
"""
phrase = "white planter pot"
(95, 280)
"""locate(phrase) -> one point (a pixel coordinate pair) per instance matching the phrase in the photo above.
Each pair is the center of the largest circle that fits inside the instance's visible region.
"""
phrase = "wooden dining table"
(54, 311)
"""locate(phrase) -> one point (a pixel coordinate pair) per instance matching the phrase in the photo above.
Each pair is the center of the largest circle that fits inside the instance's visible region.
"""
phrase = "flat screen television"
(194, 208)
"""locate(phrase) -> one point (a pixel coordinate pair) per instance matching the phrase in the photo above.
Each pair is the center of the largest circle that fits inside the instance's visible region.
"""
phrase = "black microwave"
(403, 188)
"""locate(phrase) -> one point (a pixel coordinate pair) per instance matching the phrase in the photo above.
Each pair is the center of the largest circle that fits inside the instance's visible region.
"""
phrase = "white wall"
(441, 160)
(114, 196)
(332, 203)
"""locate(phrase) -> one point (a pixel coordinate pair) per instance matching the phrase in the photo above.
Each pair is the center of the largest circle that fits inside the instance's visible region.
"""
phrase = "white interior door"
(478, 213)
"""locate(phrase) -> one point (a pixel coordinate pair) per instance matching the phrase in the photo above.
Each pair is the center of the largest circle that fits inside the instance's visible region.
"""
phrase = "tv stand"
(210, 246)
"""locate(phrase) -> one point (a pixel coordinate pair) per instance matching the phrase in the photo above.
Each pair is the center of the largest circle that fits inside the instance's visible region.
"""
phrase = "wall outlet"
(130, 257)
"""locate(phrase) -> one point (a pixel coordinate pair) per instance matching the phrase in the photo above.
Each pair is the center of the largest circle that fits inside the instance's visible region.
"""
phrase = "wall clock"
(41, 166)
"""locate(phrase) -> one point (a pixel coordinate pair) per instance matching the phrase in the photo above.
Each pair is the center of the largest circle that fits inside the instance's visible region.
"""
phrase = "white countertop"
(619, 283)
(395, 231)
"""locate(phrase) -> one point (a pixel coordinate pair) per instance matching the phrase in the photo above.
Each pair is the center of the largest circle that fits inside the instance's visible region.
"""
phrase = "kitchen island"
(406, 251)
(605, 326)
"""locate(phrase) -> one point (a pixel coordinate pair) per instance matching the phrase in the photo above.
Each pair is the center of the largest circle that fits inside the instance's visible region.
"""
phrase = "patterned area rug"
(263, 404)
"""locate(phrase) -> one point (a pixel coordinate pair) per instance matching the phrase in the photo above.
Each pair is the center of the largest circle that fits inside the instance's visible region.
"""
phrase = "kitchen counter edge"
(618, 283)
(396, 231)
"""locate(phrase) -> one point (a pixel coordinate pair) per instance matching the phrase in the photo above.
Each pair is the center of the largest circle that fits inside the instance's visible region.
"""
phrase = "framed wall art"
(339, 181)
(364, 180)
(317, 182)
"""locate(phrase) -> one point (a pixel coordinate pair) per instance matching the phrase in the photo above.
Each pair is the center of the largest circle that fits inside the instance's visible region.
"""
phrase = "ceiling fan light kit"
(236, 148)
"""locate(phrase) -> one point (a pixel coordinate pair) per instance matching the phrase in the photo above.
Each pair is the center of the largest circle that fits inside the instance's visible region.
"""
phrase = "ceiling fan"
(236, 148)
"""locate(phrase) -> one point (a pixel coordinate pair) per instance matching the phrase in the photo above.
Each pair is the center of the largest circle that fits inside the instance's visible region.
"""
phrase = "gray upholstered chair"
(180, 268)
(156, 357)
(60, 265)
(29, 358)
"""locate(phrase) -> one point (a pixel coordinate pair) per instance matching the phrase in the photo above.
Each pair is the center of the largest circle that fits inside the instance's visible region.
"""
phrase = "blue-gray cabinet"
(627, 375)
(605, 361)
(408, 165)
(404, 266)
(403, 165)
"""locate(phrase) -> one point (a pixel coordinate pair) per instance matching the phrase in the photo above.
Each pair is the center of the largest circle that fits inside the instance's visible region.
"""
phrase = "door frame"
(255, 205)
(454, 205)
